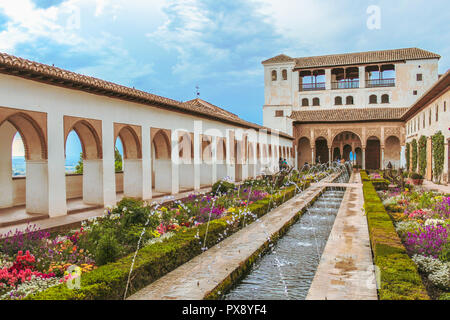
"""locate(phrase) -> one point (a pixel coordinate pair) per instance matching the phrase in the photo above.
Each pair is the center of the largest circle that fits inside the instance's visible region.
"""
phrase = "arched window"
(338, 101)
(305, 102)
(274, 75)
(284, 74)
(316, 102)
(385, 98)
(373, 99)
(349, 100)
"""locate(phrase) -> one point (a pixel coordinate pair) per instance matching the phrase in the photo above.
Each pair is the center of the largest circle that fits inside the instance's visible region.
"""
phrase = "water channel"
(287, 271)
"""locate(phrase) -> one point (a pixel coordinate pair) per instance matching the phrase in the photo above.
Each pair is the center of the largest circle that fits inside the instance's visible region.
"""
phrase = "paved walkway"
(74, 219)
(436, 187)
(201, 275)
(346, 269)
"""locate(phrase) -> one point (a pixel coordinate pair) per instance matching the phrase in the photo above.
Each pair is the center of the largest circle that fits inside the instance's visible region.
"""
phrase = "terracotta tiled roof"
(441, 86)
(204, 106)
(367, 57)
(349, 115)
(56, 76)
(279, 58)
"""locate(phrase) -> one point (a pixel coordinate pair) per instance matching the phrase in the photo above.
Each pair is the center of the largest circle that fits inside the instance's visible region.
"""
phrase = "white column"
(57, 204)
(132, 178)
(175, 163)
(214, 159)
(7, 133)
(197, 157)
(364, 158)
(313, 158)
(382, 158)
(146, 164)
(328, 79)
(230, 145)
(93, 181)
(446, 160)
(362, 77)
(296, 158)
(402, 157)
(37, 186)
(109, 175)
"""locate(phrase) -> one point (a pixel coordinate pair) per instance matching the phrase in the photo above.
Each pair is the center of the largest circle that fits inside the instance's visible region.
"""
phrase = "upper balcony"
(313, 86)
(380, 83)
(352, 77)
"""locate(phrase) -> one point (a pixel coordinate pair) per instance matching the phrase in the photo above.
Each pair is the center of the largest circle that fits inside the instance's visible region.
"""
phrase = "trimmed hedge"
(154, 261)
(400, 279)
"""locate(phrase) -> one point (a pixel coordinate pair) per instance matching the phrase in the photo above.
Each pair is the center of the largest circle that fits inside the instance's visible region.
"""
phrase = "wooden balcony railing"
(374, 83)
(346, 84)
(312, 86)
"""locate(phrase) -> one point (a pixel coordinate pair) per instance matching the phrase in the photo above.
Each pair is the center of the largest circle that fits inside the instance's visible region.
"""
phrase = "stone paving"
(436, 187)
(346, 270)
(200, 276)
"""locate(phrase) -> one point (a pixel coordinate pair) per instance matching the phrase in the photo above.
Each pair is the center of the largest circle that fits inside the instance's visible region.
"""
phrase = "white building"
(375, 79)
(169, 146)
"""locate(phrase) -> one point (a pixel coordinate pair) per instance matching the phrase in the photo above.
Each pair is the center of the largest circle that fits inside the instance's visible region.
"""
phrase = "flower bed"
(399, 276)
(422, 220)
(167, 236)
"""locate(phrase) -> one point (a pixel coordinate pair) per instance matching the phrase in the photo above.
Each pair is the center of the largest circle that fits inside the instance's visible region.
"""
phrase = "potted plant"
(417, 178)
(356, 168)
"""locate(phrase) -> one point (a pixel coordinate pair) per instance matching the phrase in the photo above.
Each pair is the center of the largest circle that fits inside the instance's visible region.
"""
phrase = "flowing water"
(288, 270)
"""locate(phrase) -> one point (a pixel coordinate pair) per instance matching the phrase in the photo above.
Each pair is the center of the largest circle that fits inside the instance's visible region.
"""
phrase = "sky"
(170, 47)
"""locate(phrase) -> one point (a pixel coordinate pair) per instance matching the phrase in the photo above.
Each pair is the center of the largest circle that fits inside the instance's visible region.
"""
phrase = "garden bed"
(399, 277)
(104, 248)
(422, 221)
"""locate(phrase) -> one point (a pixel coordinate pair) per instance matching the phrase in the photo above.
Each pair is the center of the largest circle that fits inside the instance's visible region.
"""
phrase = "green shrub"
(416, 176)
(222, 187)
(108, 249)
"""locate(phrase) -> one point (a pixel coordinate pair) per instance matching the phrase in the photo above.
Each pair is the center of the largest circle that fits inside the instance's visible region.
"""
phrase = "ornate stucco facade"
(353, 103)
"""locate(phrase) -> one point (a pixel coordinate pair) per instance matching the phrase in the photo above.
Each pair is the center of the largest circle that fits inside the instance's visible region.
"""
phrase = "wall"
(415, 126)
(74, 187)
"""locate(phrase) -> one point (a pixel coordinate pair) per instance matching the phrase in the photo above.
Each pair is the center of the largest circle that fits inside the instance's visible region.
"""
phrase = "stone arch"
(131, 141)
(206, 149)
(304, 152)
(284, 74)
(251, 153)
(161, 144)
(392, 151)
(349, 100)
(305, 102)
(333, 138)
(161, 160)
(346, 152)
(316, 102)
(373, 153)
(338, 101)
(274, 75)
(89, 133)
(373, 99)
(358, 152)
(32, 134)
(385, 98)
(221, 149)
(321, 147)
(186, 146)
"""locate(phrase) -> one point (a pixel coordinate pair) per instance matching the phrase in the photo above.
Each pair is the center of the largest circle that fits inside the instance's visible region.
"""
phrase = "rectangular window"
(429, 118)
(419, 77)
(437, 113)
(415, 93)
(279, 113)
